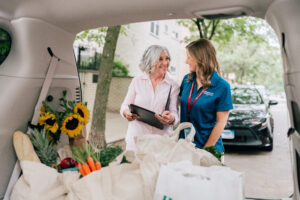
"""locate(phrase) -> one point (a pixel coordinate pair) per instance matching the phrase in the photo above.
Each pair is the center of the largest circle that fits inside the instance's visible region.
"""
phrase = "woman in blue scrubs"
(205, 97)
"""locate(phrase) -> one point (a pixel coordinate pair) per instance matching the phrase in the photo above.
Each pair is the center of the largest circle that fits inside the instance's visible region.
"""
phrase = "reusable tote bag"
(128, 181)
(168, 148)
(40, 182)
(182, 180)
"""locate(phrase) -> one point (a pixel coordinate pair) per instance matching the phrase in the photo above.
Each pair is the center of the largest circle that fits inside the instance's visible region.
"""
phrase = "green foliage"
(93, 36)
(252, 63)
(96, 36)
(109, 154)
(119, 69)
(213, 151)
(245, 28)
(93, 63)
(247, 47)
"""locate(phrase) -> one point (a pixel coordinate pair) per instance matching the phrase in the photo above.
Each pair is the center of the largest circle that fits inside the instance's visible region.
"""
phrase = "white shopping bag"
(168, 148)
(119, 182)
(182, 180)
(40, 182)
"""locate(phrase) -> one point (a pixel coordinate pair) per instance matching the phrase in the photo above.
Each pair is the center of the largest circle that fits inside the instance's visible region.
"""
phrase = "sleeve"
(224, 102)
(174, 101)
(130, 97)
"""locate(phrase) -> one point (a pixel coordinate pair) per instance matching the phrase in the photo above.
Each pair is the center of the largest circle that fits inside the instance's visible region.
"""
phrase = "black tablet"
(146, 116)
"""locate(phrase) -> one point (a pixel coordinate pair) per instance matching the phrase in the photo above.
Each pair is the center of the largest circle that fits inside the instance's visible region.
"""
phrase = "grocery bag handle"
(130, 156)
(176, 132)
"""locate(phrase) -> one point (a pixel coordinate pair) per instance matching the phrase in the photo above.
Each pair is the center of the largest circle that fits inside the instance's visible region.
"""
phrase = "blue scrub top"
(203, 114)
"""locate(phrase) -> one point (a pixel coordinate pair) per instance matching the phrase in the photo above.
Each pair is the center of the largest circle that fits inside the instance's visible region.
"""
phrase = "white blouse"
(141, 93)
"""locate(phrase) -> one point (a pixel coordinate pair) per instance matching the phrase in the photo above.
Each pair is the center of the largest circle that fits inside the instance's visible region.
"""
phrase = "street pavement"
(267, 175)
(115, 127)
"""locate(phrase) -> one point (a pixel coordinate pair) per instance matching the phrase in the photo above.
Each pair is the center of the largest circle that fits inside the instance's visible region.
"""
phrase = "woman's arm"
(171, 116)
(222, 117)
(130, 97)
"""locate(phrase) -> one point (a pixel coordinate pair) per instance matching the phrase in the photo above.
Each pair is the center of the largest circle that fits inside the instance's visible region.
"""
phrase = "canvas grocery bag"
(119, 182)
(183, 180)
(168, 148)
(40, 182)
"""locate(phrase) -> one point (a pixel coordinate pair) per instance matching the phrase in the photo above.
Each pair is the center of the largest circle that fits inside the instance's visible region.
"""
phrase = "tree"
(246, 46)
(222, 31)
(253, 61)
(97, 134)
(206, 28)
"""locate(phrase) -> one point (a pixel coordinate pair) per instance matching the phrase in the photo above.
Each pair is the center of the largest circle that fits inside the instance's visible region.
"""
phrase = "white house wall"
(130, 47)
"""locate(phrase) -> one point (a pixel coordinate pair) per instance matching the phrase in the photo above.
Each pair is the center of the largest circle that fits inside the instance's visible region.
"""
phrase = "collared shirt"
(203, 114)
(141, 93)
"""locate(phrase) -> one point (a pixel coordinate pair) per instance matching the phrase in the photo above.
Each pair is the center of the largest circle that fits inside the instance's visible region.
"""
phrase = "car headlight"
(255, 121)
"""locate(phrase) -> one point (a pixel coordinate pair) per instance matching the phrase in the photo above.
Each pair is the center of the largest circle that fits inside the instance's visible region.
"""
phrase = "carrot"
(98, 165)
(86, 168)
(91, 163)
(81, 169)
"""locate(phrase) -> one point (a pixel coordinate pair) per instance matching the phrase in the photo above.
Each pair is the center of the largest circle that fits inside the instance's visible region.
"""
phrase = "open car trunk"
(36, 25)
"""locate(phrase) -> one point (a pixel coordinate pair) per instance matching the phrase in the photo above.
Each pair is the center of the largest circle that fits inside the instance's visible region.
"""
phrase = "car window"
(5, 45)
(246, 96)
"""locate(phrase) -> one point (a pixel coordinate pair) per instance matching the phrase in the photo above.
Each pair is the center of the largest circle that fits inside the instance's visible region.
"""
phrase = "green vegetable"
(109, 154)
(213, 151)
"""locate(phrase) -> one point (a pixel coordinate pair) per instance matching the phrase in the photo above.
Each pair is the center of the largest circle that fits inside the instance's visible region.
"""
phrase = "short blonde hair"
(151, 57)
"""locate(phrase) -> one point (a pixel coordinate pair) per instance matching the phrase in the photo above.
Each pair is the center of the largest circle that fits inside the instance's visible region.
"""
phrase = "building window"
(95, 78)
(175, 34)
(172, 69)
(155, 28)
(166, 28)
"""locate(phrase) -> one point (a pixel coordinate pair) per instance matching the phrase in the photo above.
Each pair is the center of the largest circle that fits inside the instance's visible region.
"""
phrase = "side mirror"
(273, 102)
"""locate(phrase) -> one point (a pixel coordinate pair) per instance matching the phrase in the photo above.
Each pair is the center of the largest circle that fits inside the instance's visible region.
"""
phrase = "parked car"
(250, 123)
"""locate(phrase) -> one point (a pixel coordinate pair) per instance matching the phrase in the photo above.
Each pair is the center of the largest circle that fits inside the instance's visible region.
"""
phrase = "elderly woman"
(151, 91)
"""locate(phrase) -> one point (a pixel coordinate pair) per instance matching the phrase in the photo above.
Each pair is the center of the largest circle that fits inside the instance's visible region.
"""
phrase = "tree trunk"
(97, 134)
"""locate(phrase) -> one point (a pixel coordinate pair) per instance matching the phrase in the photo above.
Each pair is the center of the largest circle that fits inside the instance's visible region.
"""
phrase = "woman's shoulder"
(139, 77)
(185, 79)
(223, 83)
(185, 76)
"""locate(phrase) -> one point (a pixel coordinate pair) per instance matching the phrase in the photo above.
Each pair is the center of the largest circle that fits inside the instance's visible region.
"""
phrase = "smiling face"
(191, 62)
(163, 63)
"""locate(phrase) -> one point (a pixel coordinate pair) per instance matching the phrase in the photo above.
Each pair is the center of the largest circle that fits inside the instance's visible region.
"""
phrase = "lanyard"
(190, 97)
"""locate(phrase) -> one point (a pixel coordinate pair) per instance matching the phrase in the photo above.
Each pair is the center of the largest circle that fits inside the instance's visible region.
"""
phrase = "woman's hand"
(165, 118)
(130, 116)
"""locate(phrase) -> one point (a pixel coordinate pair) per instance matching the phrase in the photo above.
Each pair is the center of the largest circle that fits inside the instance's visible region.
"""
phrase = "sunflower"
(72, 125)
(49, 121)
(82, 110)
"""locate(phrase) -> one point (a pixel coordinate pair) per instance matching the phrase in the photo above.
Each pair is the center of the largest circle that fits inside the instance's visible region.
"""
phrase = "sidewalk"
(115, 127)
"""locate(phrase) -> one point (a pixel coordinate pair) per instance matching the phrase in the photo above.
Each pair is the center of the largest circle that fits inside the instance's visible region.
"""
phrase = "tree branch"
(214, 28)
(197, 22)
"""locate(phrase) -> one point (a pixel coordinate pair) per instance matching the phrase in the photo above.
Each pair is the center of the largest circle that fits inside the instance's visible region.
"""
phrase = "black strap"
(168, 100)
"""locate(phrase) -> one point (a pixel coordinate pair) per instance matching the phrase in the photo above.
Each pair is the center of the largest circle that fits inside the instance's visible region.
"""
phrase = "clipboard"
(146, 116)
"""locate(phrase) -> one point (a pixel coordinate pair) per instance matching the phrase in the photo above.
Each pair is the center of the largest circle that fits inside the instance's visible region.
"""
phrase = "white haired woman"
(151, 91)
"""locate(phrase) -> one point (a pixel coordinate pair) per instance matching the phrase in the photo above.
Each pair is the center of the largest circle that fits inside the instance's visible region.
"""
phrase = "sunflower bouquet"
(70, 119)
